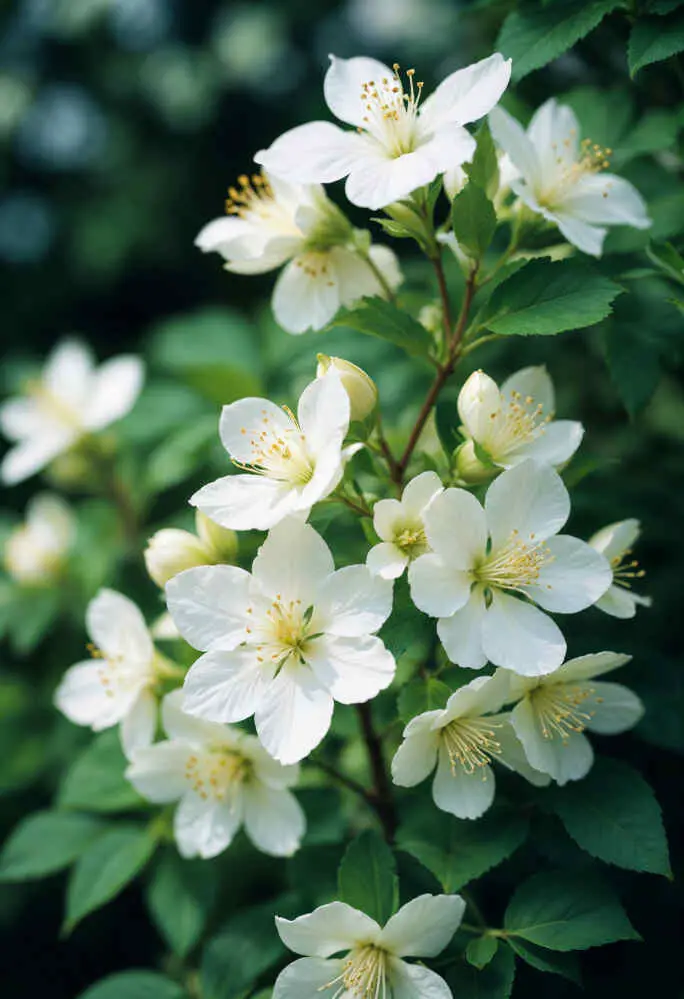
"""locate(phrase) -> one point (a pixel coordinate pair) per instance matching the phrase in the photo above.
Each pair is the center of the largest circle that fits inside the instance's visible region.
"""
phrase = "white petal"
(352, 602)
(309, 978)
(563, 760)
(512, 753)
(572, 578)
(293, 561)
(478, 401)
(158, 772)
(323, 412)
(465, 795)
(529, 499)
(294, 715)
(316, 153)
(376, 180)
(414, 981)
(604, 199)
(139, 724)
(178, 724)
(343, 84)
(118, 628)
(245, 502)
(242, 423)
(423, 927)
(306, 296)
(461, 634)
(456, 528)
(226, 686)
(615, 540)
(274, 820)
(205, 828)
(68, 371)
(353, 670)
(209, 606)
(420, 492)
(326, 476)
(481, 696)
(554, 446)
(512, 138)
(32, 455)
(327, 930)
(388, 264)
(357, 280)
(115, 387)
(386, 560)
(248, 248)
(417, 755)
(587, 238)
(388, 515)
(589, 666)
(554, 131)
(533, 382)
(267, 770)
(613, 708)
(519, 637)
(21, 417)
(618, 602)
(469, 93)
(438, 589)
(84, 700)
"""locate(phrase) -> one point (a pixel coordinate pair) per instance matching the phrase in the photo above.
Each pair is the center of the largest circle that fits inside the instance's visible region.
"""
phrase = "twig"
(347, 782)
(381, 795)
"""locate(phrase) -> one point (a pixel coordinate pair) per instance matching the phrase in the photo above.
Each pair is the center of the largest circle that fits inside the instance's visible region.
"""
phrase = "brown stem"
(386, 451)
(444, 295)
(381, 795)
(347, 782)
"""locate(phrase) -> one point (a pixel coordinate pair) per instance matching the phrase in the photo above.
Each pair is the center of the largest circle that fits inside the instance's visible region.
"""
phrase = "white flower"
(171, 550)
(398, 143)
(554, 711)
(221, 778)
(400, 525)
(372, 967)
(289, 463)
(116, 685)
(462, 740)
(35, 551)
(563, 179)
(490, 566)
(272, 222)
(72, 398)
(359, 386)
(516, 421)
(284, 642)
(615, 542)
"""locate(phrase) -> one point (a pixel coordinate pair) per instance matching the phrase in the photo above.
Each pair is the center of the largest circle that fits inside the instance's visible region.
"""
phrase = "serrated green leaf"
(547, 298)
(533, 36)
(613, 815)
(376, 317)
(95, 781)
(653, 39)
(495, 981)
(423, 694)
(179, 896)
(367, 877)
(483, 169)
(667, 259)
(46, 842)
(481, 950)
(134, 985)
(105, 868)
(560, 911)
(473, 219)
(565, 965)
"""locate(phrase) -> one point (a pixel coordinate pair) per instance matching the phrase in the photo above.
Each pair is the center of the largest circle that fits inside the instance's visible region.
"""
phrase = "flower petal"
(388, 515)
(414, 981)
(323, 412)
(245, 502)
(158, 772)
(478, 697)
(423, 927)
(178, 724)
(530, 500)
(352, 602)
(564, 760)
(420, 491)
(118, 628)
(307, 293)
(68, 372)
(456, 528)
(554, 131)
(328, 929)
(554, 446)
(33, 454)
(618, 602)
(316, 153)
(478, 401)
(209, 604)
(294, 714)
(204, 828)
(386, 560)
(465, 795)
(114, 389)
(613, 708)
(469, 93)
(274, 820)
(533, 383)
(461, 634)
(587, 238)
(243, 422)
(512, 753)
(376, 179)
(589, 666)
(293, 561)
(353, 670)
(83, 699)
(417, 755)
(438, 589)
(226, 686)
(309, 978)
(615, 540)
(604, 199)
(343, 84)
(521, 638)
(21, 417)
(573, 576)
(139, 724)
(512, 138)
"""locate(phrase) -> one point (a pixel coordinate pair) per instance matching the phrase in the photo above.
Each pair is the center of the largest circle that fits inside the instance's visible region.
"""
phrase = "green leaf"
(422, 695)
(653, 39)
(46, 842)
(473, 219)
(134, 985)
(33, 611)
(495, 981)
(483, 169)
(179, 897)
(565, 965)
(95, 781)
(367, 877)
(181, 454)
(382, 319)
(634, 363)
(667, 259)
(458, 851)
(481, 950)
(562, 911)
(533, 36)
(613, 815)
(545, 298)
(105, 868)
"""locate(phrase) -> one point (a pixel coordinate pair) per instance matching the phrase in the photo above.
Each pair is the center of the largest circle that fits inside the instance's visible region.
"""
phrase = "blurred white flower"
(563, 179)
(285, 642)
(399, 143)
(399, 523)
(35, 552)
(360, 387)
(615, 542)
(221, 778)
(553, 711)
(373, 967)
(289, 462)
(461, 741)
(489, 567)
(71, 399)
(271, 222)
(116, 685)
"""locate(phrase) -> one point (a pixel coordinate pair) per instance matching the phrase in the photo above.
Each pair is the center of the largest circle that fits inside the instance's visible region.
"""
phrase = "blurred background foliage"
(122, 122)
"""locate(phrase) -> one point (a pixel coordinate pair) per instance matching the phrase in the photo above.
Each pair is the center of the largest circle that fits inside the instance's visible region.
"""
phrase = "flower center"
(392, 110)
(278, 452)
(214, 773)
(52, 406)
(557, 708)
(625, 572)
(365, 974)
(118, 675)
(28, 560)
(514, 566)
(517, 422)
(411, 540)
(592, 159)
(316, 265)
(254, 201)
(470, 743)
(283, 632)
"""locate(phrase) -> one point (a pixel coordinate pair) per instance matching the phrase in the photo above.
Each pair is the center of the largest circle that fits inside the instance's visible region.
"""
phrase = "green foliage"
(654, 38)
(481, 950)
(180, 896)
(473, 219)
(376, 317)
(422, 695)
(95, 781)
(668, 260)
(134, 985)
(483, 169)
(45, 842)
(565, 965)
(495, 981)
(367, 877)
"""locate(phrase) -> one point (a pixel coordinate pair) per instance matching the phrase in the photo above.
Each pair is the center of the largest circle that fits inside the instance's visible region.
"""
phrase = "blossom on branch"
(35, 552)
(399, 523)
(615, 542)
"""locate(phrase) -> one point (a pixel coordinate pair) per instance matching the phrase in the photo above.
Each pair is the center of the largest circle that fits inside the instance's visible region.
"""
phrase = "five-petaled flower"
(71, 399)
(116, 685)
(399, 142)
(615, 542)
(271, 222)
(372, 966)
(289, 462)
(399, 523)
(221, 778)
(462, 740)
(285, 642)
(563, 179)
(35, 551)
(489, 567)
(553, 711)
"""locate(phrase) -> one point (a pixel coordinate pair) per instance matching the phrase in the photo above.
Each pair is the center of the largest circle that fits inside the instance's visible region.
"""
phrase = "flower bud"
(221, 542)
(171, 551)
(361, 389)
(469, 468)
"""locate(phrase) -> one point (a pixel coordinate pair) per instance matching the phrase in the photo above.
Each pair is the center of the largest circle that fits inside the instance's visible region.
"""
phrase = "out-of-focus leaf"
(654, 39)
(181, 454)
(422, 694)
(95, 781)
(367, 877)
(134, 985)
(376, 317)
(179, 896)
(45, 842)
(668, 260)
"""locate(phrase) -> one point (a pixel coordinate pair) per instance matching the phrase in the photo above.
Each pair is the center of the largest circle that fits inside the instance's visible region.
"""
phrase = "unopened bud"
(361, 389)
(171, 551)
(221, 542)
(470, 468)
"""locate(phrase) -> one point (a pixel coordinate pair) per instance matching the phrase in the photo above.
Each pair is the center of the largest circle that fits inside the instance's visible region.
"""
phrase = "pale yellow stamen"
(470, 743)
(365, 974)
(278, 452)
(392, 110)
(519, 421)
(515, 565)
(54, 407)
(558, 709)
(212, 774)
(625, 572)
